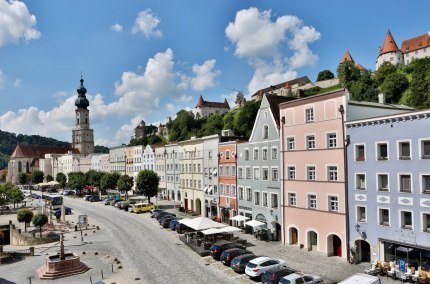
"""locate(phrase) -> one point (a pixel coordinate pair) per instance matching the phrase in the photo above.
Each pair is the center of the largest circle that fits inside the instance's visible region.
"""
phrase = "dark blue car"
(67, 210)
(173, 224)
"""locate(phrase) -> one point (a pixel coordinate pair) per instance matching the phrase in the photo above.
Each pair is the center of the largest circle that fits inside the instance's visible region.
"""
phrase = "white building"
(148, 159)
(204, 108)
(100, 162)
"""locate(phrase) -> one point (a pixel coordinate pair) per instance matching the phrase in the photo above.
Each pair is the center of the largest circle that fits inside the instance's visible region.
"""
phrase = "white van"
(361, 278)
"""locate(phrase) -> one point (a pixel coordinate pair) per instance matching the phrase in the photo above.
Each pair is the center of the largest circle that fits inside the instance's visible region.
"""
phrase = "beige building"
(160, 167)
(191, 176)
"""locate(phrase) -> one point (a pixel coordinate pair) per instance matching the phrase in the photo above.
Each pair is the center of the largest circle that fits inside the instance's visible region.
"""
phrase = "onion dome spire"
(82, 101)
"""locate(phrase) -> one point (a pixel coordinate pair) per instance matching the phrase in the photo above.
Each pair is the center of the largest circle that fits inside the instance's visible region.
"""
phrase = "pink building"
(313, 173)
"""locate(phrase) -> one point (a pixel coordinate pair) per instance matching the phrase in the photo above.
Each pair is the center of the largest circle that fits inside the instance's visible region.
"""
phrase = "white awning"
(239, 218)
(228, 229)
(203, 223)
(254, 223)
(184, 221)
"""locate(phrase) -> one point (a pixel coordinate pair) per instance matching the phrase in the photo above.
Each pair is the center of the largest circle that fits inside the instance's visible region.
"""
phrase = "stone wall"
(18, 238)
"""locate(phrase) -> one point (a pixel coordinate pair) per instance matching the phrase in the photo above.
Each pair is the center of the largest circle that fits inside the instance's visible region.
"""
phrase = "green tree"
(228, 120)
(49, 178)
(393, 87)
(240, 99)
(76, 180)
(40, 220)
(93, 177)
(61, 179)
(147, 183)
(37, 176)
(125, 183)
(325, 75)
(347, 73)
(109, 181)
(383, 71)
(214, 124)
(180, 128)
(4, 195)
(364, 89)
(24, 215)
(15, 195)
(3, 175)
(22, 178)
(244, 118)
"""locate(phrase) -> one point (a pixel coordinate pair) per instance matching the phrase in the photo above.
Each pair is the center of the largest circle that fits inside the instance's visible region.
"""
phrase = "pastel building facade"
(389, 188)
(160, 167)
(117, 159)
(172, 172)
(227, 154)
(210, 177)
(191, 176)
(100, 162)
(148, 158)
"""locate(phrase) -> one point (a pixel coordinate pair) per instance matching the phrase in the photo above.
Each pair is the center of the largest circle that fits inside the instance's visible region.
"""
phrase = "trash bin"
(126, 208)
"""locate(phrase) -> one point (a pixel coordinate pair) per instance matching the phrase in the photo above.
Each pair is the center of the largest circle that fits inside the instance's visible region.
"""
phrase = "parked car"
(94, 198)
(67, 210)
(218, 247)
(179, 228)
(301, 278)
(229, 254)
(108, 200)
(157, 213)
(68, 192)
(256, 267)
(35, 195)
(161, 214)
(361, 278)
(88, 196)
(153, 211)
(142, 207)
(239, 263)
(165, 222)
(272, 276)
(173, 223)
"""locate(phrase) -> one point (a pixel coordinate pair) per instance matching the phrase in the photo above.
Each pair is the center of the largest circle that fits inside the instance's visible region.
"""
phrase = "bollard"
(29, 279)
(31, 251)
(112, 266)
(91, 281)
(102, 273)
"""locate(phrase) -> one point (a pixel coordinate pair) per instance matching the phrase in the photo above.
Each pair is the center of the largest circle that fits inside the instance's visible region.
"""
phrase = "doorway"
(363, 251)
(294, 236)
(312, 241)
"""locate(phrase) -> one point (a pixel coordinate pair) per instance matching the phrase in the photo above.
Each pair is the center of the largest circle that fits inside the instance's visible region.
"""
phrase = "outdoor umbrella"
(239, 218)
(254, 223)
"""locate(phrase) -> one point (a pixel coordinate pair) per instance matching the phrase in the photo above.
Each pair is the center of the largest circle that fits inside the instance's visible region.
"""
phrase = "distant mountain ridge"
(8, 142)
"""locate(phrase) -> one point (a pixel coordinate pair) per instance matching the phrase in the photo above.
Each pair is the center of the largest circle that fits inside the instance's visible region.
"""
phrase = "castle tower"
(389, 52)
(82, 134)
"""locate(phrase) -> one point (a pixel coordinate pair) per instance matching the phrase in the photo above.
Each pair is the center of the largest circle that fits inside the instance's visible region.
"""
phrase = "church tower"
(83, 137)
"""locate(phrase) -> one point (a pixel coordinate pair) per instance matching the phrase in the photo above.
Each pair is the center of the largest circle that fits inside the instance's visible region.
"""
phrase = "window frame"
(290, 195)
(329, 172)
(265, 134)
(271, 200)
(274, 157)
(254, 171)
(262, 173)
(329, 205)
(400, 185)
(380, 220)
(272, 175)
(402, 221)
(257, 201)
(358, 158)
(377, 151)
(399, 149)
(421, 147)
(308, 141)
(378, 188)
(263, 150)
(358, 218)
(309, 200)
(291, 168)
(423, 222)
(291, 141)
(356, 183)
(309, 114)
(307, 172)
(328, 140)
(422, 183)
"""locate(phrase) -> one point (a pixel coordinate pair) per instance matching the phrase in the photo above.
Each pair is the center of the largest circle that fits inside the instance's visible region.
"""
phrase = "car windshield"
(251, 265)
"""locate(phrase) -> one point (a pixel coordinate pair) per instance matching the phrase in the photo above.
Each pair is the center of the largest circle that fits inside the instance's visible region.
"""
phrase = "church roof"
(202, 103)
(39, 151)
(416, 43)
(346, 57)
(389, 44)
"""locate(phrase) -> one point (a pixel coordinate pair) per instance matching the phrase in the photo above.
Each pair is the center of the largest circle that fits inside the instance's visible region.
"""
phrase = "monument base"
(55, 267)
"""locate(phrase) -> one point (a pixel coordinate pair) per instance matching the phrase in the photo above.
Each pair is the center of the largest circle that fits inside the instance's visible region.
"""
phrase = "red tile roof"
(38, 151)
(389, 44)
(202, 103)
(416, 43)
(346, 57)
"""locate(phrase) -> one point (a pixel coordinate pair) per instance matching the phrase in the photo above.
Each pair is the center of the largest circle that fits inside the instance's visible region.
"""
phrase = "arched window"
(27, 167)
(19, 167)
(265, 132)
(227, 155)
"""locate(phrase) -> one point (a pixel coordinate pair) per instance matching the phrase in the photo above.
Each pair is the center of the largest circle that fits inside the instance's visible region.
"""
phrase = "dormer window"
(265, 132)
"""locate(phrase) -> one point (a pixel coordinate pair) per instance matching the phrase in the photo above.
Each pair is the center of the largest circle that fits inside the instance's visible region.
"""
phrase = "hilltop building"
(416, 47)
(139, 130)
(205, 108)
(347, 57)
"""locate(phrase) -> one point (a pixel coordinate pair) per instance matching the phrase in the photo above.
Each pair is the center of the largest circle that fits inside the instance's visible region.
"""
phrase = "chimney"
(381, 98)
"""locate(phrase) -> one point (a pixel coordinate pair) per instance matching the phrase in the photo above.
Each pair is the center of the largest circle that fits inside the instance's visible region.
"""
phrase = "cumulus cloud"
(204, 75)
(2, 79)
(171, 108)
(273, 47)
(17, 83)
(184, 99)
(116, 28)
(16, 23)
(147, 23)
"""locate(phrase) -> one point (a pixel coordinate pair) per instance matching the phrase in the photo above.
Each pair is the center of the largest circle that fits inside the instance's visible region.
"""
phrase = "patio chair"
(372, 269)
(415, 275)
(405, 276)
(392, 272)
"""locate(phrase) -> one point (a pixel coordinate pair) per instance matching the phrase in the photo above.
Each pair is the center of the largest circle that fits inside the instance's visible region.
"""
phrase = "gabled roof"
(274, 102)
(346, 57)
(287, 84)
(416, 43)
(38, 151)
(389, 44)
(202, 103)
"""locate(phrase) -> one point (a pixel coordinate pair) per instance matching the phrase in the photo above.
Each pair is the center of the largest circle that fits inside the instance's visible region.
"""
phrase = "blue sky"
(149, 59)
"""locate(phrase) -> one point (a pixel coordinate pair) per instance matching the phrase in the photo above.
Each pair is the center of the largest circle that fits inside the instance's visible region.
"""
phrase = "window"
(404, 150)
(227, 171)
(221, 170)
(240, 172)
(359, 153)
(265, 114)
(227, 189)
(265, 154)
(331, 140)
(240, 193)
(274, 153)
(265, 173)
(382, 182)
(425, 183)
(382, 151)
(291, 143)
(233, 190)
(292, 201)
(406, 219)
(265, 132)
(249, 194)
(425, 149)
(332, 173)
(248, 172)
(333, 203)
(291, 173)
(312, 201)
(275, 174)
(360, 181)
(210, 155)
(246, 154)
(221, 189)
(256, 173)
(384, 217)
(255, 154)
(227, 155)
(233, 171)
(311, 172)
(274, 200)
(309, 115)
(310, 142)
(361, 214)
(265, 199)
(257, 198)
(405, 183)
(426, 222)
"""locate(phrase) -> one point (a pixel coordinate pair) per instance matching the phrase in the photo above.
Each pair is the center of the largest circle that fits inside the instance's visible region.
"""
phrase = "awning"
(239, 218)
(184, 221)
(254, 223)
(202, 223)
(228, 229)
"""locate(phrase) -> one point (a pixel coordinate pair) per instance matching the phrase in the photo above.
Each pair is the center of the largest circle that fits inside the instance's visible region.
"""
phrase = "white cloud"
(17, 83)
(204, 75)
(16, 23)
(184, 99)
(116, 28)
(231, 97)
(2, 79)
(274, 48)
(171, 108)
(147, 23)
